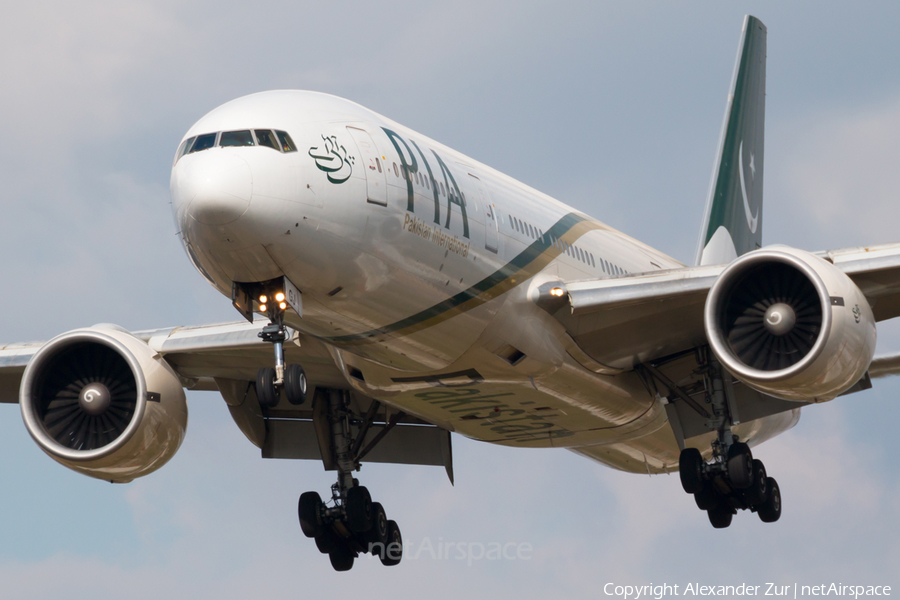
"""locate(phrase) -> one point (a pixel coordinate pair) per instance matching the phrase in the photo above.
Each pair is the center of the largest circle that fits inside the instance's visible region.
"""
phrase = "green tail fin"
(733, 220)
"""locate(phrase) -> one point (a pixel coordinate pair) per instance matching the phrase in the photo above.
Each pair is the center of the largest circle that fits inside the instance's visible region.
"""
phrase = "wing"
(617, 323)
(226, 358)
(200, 355)
(876, 271)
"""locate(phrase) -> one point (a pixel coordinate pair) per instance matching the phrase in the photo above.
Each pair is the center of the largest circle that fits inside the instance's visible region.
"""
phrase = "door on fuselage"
(376, 186)
(491, 234)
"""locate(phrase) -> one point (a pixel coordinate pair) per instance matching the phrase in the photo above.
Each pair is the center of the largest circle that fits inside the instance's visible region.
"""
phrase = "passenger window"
(264, 137)
(203, 142)
(236, 138)
(378, 162)
(396, 171)
(593, 264)
(287, 144)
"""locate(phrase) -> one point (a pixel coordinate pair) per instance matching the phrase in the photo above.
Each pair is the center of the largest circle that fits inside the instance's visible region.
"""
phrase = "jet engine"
(790, 324)
(103, 403)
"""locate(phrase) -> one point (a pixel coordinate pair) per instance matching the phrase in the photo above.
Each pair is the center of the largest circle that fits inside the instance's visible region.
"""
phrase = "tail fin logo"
(752, 221)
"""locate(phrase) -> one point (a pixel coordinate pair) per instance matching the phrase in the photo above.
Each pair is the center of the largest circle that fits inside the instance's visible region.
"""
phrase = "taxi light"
(263, 299)
(282, 306)
(279, 297)
(556, 292)
(262, 307)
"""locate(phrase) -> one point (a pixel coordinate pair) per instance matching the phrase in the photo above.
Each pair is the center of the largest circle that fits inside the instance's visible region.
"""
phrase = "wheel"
(770, 510)
(377, 536)
(757, 492)
(393, 551)
(359, 509)
(308, 510)
(708, 497)
(720, 517)
(327, 541)
(295, 384)
(690, 466)
(342, 558)
(740, 466)
(266, 391)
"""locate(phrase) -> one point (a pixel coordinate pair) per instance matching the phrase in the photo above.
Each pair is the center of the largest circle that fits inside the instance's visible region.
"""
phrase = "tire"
(359, 509)
(758, 490)
(770, 510)
(708, 497)
(342, 558)
(740, 466)
(327, 541)
(308, 511)
(393, 551)
(295, 385)
(690, 467)
(377, 536)
(720, 517)
(266, 391)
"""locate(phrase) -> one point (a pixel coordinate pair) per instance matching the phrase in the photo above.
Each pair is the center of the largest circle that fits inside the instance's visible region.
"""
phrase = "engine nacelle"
(103, 403)
(790, 324)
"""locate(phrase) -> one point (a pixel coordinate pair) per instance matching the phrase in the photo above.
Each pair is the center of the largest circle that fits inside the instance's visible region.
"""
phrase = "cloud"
(836, 172)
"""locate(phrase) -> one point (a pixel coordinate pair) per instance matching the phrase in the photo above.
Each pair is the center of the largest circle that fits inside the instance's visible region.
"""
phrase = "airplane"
(393, 291)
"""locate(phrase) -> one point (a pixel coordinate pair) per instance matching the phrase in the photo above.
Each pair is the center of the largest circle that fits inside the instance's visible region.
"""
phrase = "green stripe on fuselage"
(525, 265)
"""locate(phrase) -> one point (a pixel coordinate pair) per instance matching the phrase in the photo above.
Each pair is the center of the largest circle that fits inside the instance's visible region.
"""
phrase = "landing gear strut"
(291, 378)
(351, 523)
(733, 480)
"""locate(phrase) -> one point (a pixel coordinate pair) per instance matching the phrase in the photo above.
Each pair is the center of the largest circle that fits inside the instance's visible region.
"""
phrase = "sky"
(612, 107)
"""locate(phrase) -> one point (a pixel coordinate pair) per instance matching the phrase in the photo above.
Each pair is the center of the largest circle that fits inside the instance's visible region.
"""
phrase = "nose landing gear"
(291, 378)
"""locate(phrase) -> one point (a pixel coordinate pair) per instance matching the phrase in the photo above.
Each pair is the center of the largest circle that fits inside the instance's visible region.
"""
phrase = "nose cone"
(215, 187)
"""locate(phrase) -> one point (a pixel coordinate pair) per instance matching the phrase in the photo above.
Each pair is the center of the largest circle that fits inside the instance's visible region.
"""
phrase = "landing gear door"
(376, 185)
(491, 234)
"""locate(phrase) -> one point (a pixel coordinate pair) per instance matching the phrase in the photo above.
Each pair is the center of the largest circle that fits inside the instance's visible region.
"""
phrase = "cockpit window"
(287, 144)
(236, 138)
(203, 142)
(183, 148)
(266, 138)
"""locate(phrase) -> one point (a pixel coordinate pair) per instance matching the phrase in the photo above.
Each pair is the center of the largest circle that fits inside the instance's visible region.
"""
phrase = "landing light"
(557, 292)
(279, 297)
(282, 306)
(263, 299)
(262, 307)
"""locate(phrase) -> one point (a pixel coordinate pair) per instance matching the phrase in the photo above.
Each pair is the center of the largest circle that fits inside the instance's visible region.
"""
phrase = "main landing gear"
(352, 524)
(733, 480)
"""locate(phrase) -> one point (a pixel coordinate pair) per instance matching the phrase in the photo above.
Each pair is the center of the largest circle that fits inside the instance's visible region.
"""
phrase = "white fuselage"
(418, 266)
